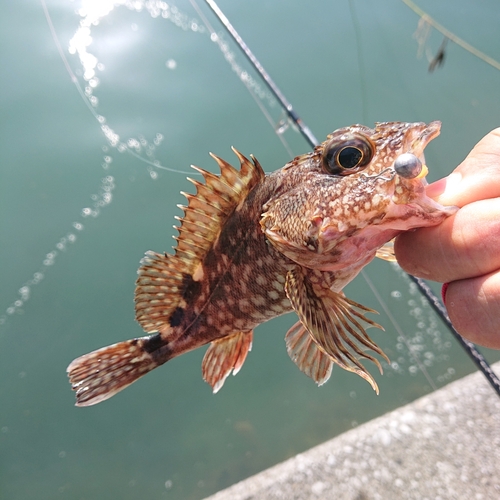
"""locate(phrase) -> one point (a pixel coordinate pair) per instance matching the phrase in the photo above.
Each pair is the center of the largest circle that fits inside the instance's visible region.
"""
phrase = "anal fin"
(225, 355)
(304, 352)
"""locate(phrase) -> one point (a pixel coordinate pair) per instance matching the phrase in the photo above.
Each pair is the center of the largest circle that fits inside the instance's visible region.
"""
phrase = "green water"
(167, 436)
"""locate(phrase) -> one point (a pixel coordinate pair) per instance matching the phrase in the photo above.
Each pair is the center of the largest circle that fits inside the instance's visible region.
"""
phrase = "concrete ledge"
(442, 446)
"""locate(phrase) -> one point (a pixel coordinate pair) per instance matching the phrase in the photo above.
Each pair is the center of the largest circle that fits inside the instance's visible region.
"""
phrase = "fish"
(254, 246)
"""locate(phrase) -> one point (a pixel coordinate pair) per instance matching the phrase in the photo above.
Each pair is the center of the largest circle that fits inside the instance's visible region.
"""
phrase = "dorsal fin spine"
(199, 203)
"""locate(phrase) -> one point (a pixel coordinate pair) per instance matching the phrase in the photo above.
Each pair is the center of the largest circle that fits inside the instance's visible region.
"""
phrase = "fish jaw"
(421, 212)
(357, 244)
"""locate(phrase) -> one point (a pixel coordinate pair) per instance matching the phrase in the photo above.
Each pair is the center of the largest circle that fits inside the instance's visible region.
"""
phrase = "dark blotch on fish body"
(177, 316)
(190, 288)
(152, 343)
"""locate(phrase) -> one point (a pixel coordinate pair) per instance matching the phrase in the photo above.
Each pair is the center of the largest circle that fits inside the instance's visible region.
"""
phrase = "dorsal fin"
(162, 277)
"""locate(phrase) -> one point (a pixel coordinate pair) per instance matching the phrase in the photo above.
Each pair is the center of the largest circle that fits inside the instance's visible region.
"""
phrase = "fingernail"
(445, 188)
(436, 188)
(443, 292)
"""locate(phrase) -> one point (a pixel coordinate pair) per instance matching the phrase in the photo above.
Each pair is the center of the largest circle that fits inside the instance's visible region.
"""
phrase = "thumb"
(476, 178)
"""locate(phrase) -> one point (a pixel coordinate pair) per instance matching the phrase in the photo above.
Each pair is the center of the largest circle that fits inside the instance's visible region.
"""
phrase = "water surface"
(77, 215)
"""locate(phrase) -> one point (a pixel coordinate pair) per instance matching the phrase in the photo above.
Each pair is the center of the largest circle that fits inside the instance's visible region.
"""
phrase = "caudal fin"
(101, 374)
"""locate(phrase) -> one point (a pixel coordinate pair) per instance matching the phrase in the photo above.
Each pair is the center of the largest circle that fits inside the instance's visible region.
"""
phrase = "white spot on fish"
(239, 323)
(277, 308)
(260, 280)
(244, 304)
(258, 300)
(278, 286)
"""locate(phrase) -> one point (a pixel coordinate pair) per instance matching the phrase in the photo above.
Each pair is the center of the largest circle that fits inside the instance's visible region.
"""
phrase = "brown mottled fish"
(253, 246)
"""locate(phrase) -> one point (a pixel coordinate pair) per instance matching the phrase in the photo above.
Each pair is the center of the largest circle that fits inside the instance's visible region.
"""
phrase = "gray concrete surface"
(442, 446)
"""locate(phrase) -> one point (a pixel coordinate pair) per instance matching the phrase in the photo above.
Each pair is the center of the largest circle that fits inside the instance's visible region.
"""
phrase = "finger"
(476, 178)
(474, 309)
(463, 246)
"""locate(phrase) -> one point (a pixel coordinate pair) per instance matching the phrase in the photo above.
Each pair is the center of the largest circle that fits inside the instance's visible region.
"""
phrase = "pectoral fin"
(307, 355)
(335, 323)
(223, 356)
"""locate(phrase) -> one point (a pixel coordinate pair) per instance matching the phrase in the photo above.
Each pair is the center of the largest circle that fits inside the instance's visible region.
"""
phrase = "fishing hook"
(380, 176)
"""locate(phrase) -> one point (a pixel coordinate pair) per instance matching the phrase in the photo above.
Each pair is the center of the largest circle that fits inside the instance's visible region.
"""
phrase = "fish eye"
(347, 155)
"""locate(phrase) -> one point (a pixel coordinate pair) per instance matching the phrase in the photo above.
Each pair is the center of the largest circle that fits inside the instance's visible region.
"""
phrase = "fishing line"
(361, 62)
(100, 199)
(304, 129)
(477, 358)
(433, 300)
(217, 39)
(399, 330)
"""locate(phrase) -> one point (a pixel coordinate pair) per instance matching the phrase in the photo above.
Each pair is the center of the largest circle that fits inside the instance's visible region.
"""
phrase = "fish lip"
(424, 212)
(430, 206)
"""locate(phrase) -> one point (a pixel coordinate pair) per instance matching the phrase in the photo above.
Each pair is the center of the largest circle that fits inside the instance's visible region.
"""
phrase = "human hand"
(464, 251)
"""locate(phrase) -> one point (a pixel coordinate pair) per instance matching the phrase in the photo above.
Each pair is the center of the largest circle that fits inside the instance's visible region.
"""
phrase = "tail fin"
(101, 374)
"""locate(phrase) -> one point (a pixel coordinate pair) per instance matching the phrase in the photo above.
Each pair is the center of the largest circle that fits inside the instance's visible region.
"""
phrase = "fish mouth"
(409, 168)
(411, 161)
(422, 212)
(430, 208)
(410, 203)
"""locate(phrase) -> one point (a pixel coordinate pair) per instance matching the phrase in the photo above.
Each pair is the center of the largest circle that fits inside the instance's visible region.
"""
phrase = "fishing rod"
(476, 357)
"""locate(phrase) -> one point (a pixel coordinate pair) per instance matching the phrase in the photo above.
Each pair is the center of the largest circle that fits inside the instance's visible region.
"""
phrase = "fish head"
(356, 191)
